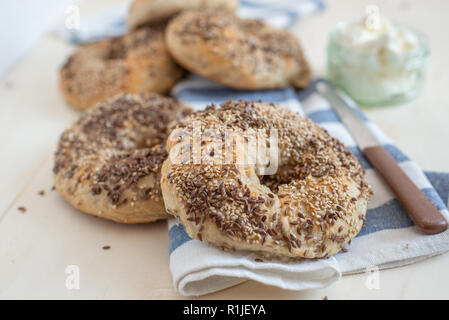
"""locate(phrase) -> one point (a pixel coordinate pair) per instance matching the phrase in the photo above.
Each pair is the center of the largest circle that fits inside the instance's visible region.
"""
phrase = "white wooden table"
(37, 246)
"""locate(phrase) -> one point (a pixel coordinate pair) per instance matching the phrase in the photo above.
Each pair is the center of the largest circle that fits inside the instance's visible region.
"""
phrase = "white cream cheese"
(373, 58)
(376, 34)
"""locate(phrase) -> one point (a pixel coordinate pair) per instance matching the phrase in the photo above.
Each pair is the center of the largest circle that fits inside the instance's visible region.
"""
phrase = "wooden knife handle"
(423, 213)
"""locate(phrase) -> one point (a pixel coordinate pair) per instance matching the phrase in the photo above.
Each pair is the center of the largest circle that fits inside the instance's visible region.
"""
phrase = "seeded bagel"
(135, 63)
(310, 207)
(240, 53)
(144, 12)
(108, 162)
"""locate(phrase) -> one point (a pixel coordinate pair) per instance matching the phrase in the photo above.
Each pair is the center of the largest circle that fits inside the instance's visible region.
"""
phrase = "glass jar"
(378, 77)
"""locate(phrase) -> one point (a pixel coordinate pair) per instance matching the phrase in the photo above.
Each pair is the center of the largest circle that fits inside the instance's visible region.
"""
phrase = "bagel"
(144, 12)
(240, 53)
(108, 162)
(310, 207)
(135, 63)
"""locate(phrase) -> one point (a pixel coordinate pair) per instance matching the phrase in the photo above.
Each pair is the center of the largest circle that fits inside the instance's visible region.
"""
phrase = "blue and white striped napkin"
(389, 238)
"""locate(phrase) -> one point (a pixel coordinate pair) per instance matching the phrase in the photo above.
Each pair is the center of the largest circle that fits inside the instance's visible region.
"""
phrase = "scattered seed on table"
(22, 209)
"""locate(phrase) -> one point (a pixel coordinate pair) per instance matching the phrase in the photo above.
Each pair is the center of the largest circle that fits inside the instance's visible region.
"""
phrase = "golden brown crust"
(240, 53)
(135, 63)
(108, 162)
(311, 207)
(144, 12)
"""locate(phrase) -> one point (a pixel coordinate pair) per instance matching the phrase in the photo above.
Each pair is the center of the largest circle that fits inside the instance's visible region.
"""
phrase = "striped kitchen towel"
(389, 238)
(111, 22)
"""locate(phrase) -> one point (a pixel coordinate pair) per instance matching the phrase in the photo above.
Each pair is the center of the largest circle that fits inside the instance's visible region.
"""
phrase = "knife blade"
(419, 208)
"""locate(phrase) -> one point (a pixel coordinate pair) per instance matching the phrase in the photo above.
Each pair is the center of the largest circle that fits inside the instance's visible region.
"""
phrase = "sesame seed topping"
(114, 146)
(304, 209)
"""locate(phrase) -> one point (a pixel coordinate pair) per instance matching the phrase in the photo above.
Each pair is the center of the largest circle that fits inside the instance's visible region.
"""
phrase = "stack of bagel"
(137, 156)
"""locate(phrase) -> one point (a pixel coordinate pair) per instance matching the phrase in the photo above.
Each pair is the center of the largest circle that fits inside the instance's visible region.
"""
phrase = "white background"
(22, 23)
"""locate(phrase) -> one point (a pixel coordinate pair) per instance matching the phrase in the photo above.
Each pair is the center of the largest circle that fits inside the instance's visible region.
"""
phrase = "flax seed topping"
(113, 154)
(248, 35)
(241, 53)
(304, 209)
(136, 62)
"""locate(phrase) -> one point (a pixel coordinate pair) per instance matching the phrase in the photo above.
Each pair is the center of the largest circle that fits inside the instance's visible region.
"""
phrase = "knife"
(419, 208)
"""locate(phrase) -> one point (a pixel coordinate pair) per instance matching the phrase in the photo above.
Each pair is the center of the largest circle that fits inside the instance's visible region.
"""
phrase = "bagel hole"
(149, 141)
(283, 176)
(271, 182)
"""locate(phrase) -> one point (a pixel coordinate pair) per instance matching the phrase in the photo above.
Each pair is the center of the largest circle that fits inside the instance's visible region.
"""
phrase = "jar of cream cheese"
(377, 62)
